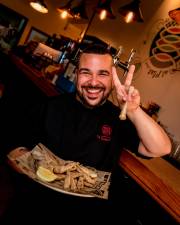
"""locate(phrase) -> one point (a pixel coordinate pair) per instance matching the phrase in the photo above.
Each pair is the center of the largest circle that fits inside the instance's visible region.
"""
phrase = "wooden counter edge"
(154, 185)
(35, 76)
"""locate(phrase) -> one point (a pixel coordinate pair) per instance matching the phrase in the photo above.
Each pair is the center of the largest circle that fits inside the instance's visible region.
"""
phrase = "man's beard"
(85, 102)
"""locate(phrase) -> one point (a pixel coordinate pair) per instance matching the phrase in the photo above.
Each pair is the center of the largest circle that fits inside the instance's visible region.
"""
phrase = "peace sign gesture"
(128, 97)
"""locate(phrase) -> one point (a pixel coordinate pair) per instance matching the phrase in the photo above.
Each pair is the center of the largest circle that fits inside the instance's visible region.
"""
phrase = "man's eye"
(104, 74)
(84, 73)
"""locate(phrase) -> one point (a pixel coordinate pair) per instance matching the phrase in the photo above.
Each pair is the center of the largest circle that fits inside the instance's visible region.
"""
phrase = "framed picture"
(36, 35)
(12, 25)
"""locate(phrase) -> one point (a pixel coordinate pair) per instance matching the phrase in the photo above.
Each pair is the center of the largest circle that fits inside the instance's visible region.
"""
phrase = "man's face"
(94, 78)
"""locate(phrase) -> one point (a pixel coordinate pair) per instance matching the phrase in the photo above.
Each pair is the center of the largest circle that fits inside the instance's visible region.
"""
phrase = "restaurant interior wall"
(49, 23)
(112, 31)
(160, 83)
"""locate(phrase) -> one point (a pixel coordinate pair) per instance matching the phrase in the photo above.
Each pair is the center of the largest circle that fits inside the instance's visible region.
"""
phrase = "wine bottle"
(71, 67)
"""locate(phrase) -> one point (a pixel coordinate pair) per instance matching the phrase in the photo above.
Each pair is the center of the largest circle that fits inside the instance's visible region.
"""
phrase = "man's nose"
(94, 80)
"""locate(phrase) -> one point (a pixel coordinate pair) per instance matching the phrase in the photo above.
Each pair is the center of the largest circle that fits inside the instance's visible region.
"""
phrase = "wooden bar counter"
(35, 76)
(157, 177)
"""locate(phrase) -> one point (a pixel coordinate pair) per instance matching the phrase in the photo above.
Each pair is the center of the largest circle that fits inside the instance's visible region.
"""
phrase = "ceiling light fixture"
(132, 12)
(39, 6)
(104, 9)
(79, 11)
(65, 10)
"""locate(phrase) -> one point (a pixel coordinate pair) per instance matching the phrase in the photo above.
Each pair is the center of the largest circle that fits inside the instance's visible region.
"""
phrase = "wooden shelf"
(35, 76)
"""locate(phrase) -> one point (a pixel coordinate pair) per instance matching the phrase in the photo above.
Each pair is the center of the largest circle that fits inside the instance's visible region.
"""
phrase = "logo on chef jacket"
(105, 133)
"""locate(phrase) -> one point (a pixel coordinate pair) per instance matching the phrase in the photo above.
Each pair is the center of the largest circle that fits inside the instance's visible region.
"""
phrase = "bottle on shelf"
(64, 59)
(66, 79)
(67, 55)
(70, 70)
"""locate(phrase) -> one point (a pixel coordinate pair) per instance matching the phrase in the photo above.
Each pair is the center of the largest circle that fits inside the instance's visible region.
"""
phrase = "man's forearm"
(154, 140)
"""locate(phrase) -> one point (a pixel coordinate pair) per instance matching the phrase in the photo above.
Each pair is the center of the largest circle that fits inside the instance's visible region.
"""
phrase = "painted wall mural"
(164, 47)
(157, 63)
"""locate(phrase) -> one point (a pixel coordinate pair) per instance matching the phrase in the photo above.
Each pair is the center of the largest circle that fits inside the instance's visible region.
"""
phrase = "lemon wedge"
(45, 174)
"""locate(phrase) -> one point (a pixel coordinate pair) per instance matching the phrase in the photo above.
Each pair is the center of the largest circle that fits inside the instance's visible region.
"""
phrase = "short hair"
(94, 49)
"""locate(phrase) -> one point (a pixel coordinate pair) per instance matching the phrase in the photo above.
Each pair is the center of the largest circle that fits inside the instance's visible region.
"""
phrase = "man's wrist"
(133, 113)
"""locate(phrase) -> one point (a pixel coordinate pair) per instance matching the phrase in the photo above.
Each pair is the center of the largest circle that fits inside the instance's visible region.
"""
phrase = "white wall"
(164, 90)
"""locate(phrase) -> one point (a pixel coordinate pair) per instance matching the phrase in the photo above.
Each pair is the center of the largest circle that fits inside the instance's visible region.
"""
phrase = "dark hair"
(96, 49)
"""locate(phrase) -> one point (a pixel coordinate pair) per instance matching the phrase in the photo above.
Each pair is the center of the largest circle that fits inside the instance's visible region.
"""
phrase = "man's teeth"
(93, 90)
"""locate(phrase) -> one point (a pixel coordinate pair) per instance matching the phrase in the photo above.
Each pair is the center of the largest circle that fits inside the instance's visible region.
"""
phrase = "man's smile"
(93, 92)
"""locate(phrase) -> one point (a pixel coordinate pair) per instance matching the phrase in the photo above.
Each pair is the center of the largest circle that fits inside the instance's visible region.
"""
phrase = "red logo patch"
(105, 134)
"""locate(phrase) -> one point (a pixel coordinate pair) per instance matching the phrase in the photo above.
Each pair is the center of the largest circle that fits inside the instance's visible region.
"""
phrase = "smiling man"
(86, 128)
(94, 78)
